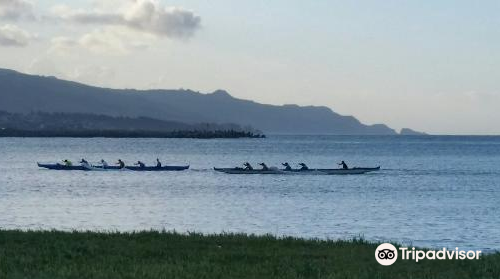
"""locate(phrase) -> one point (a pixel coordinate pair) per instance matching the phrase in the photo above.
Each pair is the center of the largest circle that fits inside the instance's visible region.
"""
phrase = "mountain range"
(23, 93)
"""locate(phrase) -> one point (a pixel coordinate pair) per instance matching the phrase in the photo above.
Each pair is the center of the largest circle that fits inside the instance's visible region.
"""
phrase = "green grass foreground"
(53, 255)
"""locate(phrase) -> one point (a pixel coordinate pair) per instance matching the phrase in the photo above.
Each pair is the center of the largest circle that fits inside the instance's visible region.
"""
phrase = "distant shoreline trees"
(126, 134)
(42, 124)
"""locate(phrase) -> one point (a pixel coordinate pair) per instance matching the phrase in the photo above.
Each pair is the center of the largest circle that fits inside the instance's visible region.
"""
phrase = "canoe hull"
(165, 168)
(61, 167)
(298, 171)
(243, 171)
(348, 171)
(101, 168)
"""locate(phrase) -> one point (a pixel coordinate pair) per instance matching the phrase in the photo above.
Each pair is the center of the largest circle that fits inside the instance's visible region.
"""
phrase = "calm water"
(432, 191)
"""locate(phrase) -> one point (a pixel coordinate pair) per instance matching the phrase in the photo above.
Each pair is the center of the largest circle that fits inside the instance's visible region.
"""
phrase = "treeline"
(41, 124)
(127, 134)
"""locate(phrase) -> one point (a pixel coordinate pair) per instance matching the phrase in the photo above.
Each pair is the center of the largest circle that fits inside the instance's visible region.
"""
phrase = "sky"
(432, 66)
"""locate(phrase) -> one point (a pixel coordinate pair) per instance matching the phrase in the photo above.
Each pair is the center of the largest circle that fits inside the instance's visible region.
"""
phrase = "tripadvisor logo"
(387, 254)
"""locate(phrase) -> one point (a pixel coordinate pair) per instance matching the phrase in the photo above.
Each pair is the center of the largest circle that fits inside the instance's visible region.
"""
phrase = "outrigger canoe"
(164, 168)
(97, 168)
(61, 167)
(348, 171)
(298, 171)
(77, 167)
(245, 171)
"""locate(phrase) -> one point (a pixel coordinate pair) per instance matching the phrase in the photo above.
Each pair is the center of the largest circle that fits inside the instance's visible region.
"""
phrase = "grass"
(53, 254)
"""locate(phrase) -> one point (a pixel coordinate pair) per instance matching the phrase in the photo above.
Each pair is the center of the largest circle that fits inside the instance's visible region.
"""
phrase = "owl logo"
(386, 254)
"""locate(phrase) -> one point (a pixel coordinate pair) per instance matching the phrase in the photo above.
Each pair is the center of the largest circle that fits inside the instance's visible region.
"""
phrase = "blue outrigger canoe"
(97, 168)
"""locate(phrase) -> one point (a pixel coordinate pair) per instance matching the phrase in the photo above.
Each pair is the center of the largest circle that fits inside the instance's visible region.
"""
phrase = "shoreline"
(218, 134)
(161, 254)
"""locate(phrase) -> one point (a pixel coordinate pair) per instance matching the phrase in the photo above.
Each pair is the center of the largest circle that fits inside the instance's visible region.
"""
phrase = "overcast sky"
(432, 66)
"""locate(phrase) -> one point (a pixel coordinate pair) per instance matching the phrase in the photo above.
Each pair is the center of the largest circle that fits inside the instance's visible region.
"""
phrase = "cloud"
(15, 9)
(147, 16)
(86, 17)
(104, 41)
(109, 41)
(62, 45)
(13, 36)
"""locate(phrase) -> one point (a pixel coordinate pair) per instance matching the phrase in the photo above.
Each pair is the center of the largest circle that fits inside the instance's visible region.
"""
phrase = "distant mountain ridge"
(22, 93)
(410, 132)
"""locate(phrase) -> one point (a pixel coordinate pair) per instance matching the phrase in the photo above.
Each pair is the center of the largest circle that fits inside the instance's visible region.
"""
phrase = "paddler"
(158, 163)
(264, 167)
(67, 163)
(140, 164)
(104, 163)
(287, 166)
(121, 163)
(303, 166)
(85, 164)
(344, 165)
(248, 166)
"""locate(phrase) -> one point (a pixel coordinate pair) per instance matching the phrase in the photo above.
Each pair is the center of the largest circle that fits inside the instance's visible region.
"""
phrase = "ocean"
(432, 191)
